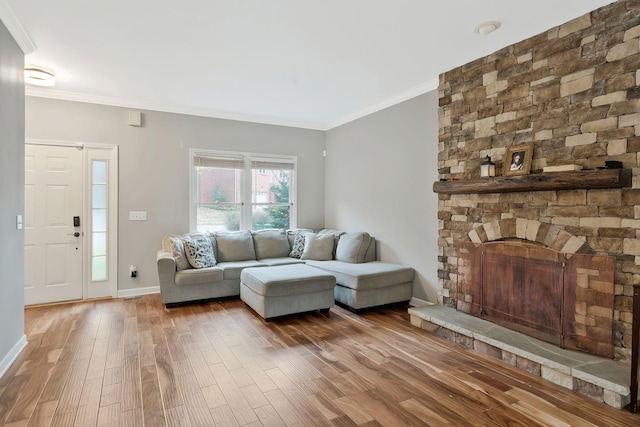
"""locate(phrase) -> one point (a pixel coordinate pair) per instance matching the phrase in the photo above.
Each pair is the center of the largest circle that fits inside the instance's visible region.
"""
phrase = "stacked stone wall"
(574, 93)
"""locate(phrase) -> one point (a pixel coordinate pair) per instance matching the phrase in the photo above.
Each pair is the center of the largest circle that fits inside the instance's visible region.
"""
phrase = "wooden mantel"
(549, 181)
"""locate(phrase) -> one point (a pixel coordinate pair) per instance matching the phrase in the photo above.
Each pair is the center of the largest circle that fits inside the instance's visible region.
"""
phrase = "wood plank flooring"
(134, 363)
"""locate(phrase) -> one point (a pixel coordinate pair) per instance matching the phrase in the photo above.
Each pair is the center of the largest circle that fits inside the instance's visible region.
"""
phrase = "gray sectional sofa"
(197, 266)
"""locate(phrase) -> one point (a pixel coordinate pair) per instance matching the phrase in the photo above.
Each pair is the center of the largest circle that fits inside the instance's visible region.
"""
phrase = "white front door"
(53, 243)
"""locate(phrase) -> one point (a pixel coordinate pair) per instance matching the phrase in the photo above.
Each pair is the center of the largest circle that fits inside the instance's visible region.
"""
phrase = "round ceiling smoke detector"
(39, 76)
(487, 27)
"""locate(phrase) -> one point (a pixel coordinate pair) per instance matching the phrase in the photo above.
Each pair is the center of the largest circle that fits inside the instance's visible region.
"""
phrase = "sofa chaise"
(196, 266)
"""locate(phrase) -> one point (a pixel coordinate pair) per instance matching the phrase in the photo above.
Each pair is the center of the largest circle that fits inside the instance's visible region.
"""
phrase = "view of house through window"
(270, 195)
(241, 192)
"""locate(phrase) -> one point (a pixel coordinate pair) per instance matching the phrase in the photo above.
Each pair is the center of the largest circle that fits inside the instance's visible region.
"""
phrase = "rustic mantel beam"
(549, 181)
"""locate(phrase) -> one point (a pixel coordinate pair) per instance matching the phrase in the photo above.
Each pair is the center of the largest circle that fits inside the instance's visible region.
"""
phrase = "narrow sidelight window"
(99, 223)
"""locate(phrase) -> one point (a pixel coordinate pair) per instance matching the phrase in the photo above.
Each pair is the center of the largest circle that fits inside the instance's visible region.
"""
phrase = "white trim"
(110, 286)
(20, 35)
(401, 97)
(33, 141)
(167, 108)
(127, 293)
(114, 196)
(12, 355)
(113, 208)
(417, 302)
(217, 114)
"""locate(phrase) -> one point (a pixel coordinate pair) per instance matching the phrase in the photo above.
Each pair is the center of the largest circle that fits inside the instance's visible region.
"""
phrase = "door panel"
(53, 196)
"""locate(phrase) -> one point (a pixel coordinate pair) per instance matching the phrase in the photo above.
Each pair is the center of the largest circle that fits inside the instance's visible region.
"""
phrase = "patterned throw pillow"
(199, 251)
(298, 245)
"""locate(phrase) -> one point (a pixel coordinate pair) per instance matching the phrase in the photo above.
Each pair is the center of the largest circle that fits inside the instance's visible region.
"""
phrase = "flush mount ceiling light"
(39, 76)
(487, 27)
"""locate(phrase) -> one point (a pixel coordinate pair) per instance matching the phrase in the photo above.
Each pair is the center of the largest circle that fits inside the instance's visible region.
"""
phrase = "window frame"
(246, 199)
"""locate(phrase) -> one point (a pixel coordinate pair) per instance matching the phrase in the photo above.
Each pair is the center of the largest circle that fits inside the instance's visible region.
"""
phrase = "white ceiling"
(312, 64)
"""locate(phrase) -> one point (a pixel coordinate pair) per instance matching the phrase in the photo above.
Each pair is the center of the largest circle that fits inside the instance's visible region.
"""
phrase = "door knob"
(76, 234)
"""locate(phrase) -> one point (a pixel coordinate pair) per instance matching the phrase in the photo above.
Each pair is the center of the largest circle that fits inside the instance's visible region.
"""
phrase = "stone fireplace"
(573, 92)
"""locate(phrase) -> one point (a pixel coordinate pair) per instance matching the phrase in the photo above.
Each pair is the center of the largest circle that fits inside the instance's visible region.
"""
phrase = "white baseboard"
(5, 364)
(128, 293)
(417, 302)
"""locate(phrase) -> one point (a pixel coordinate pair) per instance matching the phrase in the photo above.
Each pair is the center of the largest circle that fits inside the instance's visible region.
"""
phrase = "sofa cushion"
(199, 251)
(298, 245)
(352, 247)
(232, 269)
(370, 255)
(271, 243)
(281, 261)
(198, 276)
(368, 275)
(214, 244)
(317, 247)
(235, 246)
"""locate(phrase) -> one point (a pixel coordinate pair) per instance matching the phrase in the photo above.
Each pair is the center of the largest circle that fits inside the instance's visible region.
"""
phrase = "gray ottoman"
(286, 289)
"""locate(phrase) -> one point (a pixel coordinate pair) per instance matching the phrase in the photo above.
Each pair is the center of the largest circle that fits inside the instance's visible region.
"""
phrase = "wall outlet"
(133, 271)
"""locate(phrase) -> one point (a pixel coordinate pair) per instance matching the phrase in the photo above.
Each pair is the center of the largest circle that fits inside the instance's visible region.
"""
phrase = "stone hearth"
(592, 376)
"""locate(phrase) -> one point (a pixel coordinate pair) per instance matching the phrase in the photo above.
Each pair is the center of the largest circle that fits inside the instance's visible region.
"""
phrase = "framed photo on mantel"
(517, 160)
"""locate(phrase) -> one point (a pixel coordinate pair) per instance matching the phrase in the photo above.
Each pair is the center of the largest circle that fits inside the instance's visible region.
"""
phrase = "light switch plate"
(18, 222)
(137, 215)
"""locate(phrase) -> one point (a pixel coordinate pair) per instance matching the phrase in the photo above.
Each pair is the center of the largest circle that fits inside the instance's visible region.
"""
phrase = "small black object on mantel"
(612, 164)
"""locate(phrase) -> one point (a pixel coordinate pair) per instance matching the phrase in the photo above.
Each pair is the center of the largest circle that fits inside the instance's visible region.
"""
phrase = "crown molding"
(411, 93)
(166, 108)
(202, 112)
(10, 20)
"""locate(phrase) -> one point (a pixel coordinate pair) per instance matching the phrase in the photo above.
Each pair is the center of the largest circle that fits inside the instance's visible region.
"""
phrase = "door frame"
(96, 151)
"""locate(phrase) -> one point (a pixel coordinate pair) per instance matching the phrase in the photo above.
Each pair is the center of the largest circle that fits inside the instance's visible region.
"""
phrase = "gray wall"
(11, 193)
(154, 161)
(379, 176)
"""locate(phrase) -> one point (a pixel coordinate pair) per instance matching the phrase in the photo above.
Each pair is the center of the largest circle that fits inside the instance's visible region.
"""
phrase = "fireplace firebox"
(565, 299)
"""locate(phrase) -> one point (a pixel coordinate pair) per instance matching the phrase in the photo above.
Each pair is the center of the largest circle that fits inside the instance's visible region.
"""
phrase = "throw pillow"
(298, 245)
(318, 247)
(336, 237)
(174, 245)
(199, 251)
(352, 247)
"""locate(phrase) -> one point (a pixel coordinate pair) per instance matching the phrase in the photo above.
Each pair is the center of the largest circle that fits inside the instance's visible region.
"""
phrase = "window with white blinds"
(239, 191)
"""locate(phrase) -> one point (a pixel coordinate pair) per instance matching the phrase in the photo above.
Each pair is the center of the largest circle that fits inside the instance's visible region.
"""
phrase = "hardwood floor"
(134, 363)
